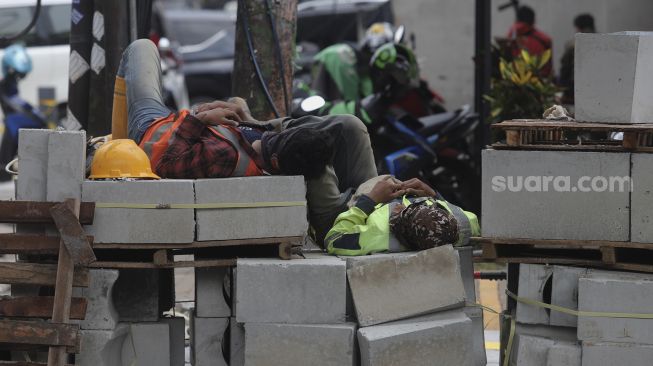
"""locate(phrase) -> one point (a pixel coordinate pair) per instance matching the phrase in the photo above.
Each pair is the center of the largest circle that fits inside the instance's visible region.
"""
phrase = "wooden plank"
(513, 138)
(39, 333)
(608, 255)
(630, 141)
(562, 125)
(285, 250)
(181, 264)
(31, 212)
(69, 250)
(72, 235)
(489, 251)
(31, 244)
(39, 307)
(198, 244)
(161, 257)
(563, 243)
(24, 363)
(37, 274)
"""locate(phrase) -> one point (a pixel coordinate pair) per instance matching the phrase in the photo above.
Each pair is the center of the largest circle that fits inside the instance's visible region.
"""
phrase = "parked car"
(206, 38)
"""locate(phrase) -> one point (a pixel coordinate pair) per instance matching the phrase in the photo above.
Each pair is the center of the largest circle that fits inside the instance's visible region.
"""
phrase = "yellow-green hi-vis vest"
(357, 233)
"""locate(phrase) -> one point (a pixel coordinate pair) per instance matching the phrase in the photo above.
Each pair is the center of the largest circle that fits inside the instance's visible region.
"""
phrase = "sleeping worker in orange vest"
(221, 139)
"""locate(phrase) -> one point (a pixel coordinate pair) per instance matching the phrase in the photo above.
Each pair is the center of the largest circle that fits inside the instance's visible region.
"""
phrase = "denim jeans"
(141, 68)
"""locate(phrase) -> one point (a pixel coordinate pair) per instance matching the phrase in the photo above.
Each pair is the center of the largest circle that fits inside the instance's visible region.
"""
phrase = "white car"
(47, 44)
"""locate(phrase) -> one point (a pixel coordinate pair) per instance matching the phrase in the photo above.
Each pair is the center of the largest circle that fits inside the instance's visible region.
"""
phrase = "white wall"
(444, 31)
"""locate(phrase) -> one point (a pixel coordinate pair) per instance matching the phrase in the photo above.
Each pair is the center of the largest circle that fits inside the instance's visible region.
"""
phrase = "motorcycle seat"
(434, 123)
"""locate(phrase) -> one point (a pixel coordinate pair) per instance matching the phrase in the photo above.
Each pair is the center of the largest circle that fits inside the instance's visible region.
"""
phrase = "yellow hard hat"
(121, 158)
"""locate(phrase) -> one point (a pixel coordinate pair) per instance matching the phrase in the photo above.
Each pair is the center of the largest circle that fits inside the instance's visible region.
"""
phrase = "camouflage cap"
(422, 226)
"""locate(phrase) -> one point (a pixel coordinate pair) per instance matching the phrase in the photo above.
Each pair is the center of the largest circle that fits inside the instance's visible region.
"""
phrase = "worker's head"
(423, 226)
(525, 14)
(584, 23)
(298, 151)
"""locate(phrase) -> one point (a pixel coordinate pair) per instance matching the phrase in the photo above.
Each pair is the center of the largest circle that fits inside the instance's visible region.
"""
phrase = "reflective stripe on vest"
(394, 246)
(464, 227)
(158, 136)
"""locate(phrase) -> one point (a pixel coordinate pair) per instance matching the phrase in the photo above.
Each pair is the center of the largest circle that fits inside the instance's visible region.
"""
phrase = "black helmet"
(394, 65)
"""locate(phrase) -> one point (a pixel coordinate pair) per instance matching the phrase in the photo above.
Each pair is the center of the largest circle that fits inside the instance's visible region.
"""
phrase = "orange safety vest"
(157, 137)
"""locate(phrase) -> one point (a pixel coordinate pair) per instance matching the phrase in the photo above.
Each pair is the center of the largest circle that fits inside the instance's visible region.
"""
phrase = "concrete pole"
(81, 43)
(245, 82)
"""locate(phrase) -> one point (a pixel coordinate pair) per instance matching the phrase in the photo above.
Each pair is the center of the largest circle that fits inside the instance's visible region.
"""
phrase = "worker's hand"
(416, 187)
(385, 191)
(219, 116)
(236, 105)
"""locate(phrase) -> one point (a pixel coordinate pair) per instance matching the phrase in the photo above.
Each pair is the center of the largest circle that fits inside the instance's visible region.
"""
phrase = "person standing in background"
(584, 23)
(526, 37)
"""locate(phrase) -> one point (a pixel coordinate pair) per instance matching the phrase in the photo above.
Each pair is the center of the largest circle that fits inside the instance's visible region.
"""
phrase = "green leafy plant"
(521, 91)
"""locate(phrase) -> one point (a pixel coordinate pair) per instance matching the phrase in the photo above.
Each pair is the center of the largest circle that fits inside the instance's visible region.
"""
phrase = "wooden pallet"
(222, 253)
(73, 251)
(555, 135)
(588, 253)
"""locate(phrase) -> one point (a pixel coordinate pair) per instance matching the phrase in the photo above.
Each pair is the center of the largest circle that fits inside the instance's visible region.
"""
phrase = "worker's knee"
(141, 46)
(351, 125)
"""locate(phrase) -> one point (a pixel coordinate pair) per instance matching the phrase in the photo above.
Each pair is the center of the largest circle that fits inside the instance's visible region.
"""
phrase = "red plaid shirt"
(195, 152)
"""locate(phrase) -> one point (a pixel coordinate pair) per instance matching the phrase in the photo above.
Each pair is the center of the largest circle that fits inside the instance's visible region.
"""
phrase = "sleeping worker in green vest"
(387, 215)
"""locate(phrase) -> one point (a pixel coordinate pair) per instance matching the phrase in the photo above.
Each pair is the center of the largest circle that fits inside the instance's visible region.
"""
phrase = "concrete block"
(236, 343)
(568, 354)
(466, 257)
(402, 287)
(616, 354)
(303, 291)
(100, 312)
(33, 161)
(475, 314)
(564, 292)
(558, 334)
(530, 351)
(120, 225)
(299, 344)
(207, 336)
(625, 295)
(136, 295)
(146, 344)
(177, 332)
(641, 201)
(442, 338)
(612, 77)
(267, 222)
(66, 165)
(210, 292)
(99, 348)
(524, 193)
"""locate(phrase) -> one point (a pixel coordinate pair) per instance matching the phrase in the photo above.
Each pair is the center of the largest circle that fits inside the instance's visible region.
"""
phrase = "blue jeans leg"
(141, 68)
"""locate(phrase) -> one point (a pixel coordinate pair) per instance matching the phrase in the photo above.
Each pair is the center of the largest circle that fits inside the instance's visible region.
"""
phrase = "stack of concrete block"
(292, 313)
(211, 318)
(410, 307)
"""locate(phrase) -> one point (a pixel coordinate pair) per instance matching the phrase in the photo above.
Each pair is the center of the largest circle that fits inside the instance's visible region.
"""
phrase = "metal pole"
(81, 43)
(133, 21)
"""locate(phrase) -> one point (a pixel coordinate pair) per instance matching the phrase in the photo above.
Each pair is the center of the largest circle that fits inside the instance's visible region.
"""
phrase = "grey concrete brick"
(120, 225)
(530, 350)
(466, 257)
(66, 165)
(210, 301)
(33, 161)
(624, 295)
(401, 287)
(146, 344)
(616, 354)
(557, 334)
(236, 343)
(99, 348)
(177, 332)
(564, 293)
(207, 336)
(641, 201)
(136, 295)
(533, 279)
(100, 311)
(310, 290)
(444, 338)
(568, 354)
(266, 222)
(612, 81)
(478, 334)
(299, 344)
(511, 212)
